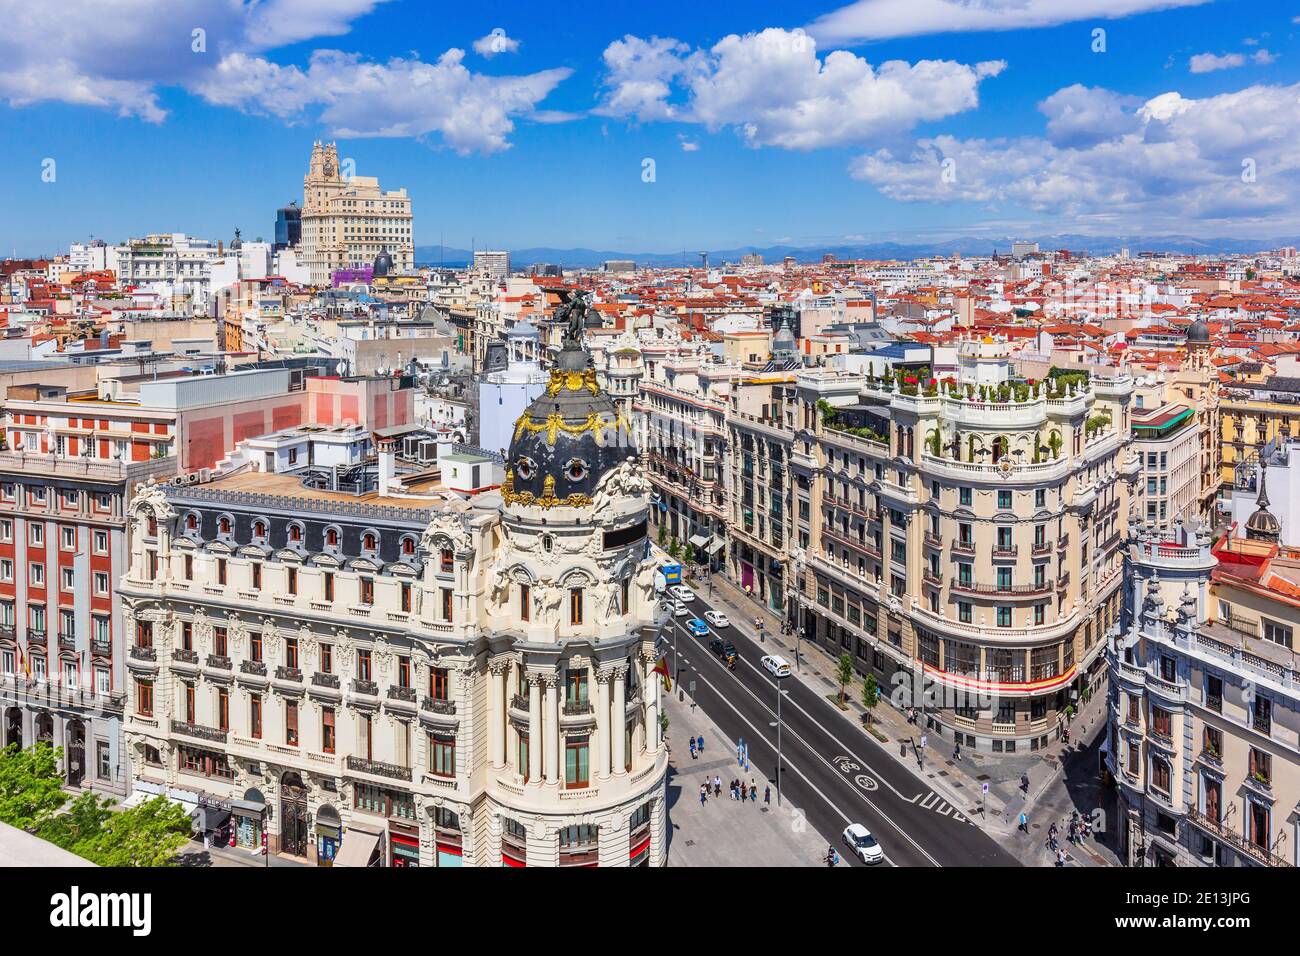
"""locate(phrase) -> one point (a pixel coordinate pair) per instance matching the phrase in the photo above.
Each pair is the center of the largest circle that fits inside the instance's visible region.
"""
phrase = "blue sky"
(882, 121)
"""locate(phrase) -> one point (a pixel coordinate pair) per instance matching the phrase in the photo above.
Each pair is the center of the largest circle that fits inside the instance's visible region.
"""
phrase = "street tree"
(870, 695)
(146, 835)
(844, 673)
(30, 785)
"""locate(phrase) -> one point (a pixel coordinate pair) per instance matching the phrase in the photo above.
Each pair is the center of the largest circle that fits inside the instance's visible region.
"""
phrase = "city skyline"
(649, 130)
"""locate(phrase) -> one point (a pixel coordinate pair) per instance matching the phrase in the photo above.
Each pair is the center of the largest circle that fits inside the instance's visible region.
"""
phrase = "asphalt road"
(832, 772)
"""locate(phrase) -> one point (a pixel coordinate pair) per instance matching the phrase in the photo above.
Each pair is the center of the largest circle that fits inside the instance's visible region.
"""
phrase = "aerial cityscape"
(849, 437)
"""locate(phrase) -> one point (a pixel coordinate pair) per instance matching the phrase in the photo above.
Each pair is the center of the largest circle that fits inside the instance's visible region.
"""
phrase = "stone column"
(650, 685)
(617, 722)
(534, 728)
(605, 722)
(551, 729)
(497, 713)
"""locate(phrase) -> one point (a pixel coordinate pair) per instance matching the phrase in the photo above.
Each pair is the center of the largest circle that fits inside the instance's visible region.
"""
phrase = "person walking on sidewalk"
(699, 743)
(956, 752)
(1024, 822)
(753, 792)
(704, 793)
(744, 792)
(717, 785)
(767, 795)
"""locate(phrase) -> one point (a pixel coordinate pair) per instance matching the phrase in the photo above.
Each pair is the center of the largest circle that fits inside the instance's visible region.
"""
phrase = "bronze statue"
(575, 311)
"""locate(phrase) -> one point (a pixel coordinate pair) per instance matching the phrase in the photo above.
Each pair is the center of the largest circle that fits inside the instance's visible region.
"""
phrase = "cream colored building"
(962, 537)
(405, 674)
(348, 221)
(1204, 738)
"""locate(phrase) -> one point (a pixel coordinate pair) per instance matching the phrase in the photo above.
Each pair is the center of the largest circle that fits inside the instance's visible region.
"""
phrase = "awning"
(716, 545)
(209, 818)
(248, 808)
(357, 848)
(699, 540)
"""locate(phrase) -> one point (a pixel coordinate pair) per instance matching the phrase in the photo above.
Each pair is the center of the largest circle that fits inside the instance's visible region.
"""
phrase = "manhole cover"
(983, 776)
(1036, 826)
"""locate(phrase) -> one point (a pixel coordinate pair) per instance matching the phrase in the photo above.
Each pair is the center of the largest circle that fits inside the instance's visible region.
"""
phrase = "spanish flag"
(662, 669)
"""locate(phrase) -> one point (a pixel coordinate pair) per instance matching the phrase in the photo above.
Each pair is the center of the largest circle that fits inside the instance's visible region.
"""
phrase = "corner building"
(413, 678)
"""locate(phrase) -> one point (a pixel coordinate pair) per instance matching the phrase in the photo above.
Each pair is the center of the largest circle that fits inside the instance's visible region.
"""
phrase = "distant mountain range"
(966, 246)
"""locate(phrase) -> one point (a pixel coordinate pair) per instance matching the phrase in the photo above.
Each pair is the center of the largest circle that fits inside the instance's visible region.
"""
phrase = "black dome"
(1198, 332)
(383, 264)
(567, 439)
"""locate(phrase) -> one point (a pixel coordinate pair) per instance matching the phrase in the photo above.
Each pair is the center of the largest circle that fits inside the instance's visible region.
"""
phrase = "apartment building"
(411, 679)
(963, 539)
(1204, 738)
(349, 221)
(681, 417)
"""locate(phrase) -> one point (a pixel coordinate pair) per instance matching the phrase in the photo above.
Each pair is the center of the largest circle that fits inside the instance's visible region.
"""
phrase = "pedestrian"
(704, 790)
(717, 786)
(699, 743)
(956, 752)
(753, 794)
(744, 791)
(1024, 822)
(767, 795)
(692, 748)
(1024, 782)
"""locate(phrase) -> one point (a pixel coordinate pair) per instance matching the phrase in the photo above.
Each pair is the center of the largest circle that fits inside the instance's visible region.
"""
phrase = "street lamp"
(778, 725)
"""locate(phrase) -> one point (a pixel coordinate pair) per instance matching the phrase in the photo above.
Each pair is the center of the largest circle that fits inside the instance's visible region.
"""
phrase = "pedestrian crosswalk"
(930, 800)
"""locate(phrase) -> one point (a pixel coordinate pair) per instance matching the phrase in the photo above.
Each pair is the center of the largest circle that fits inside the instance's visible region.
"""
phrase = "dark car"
(725, 650)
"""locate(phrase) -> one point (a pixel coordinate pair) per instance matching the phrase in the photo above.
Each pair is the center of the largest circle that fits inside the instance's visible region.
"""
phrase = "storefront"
(447, 837)
(329, 834)
(403, 845)
(248, 815)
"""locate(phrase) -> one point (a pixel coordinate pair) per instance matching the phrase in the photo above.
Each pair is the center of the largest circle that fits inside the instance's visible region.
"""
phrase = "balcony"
(219, 661)
(185, 655)
(378, 768)
(35, 636)
(577, 708)
(932, 577)
(1005, 552)
(447, 708)
(291, 674)
(366, 687)
(404, 694)
(1216, 828)
(322, 679)
(141, 652)
(1003, 590)
(198, 731)
(101, 648)
(67, 642)
(1040, 548)
(963, 547)
(932, 540)
(255, 668)
(519, 702)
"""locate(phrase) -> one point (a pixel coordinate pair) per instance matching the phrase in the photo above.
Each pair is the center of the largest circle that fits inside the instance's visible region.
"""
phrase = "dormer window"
(191, 522)
(259, 529)
(224, 526)
(295, 533)
(408, 545)
(153, 526)
(369, 542)
(332, 538)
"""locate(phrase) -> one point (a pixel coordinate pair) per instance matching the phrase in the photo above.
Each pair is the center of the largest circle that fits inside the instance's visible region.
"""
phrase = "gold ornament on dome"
(562, 381)
(547, 499)
(555, 423)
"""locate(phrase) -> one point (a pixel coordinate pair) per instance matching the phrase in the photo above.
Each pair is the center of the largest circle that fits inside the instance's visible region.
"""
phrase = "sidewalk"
(1062, 778)
(724, 832)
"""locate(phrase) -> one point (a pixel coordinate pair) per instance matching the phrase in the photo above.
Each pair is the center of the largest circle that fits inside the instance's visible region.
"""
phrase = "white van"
(776, 665)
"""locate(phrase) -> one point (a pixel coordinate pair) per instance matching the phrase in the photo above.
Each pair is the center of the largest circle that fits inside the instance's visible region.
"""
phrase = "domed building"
(383, 264)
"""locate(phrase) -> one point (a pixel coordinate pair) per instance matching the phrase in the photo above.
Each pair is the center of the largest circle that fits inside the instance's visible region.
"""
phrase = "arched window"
(191, 522)
(408, 545)
(224, 525)
(259, 529)
(369, 542)
(295, 532)
(153, 526)
(332, 538)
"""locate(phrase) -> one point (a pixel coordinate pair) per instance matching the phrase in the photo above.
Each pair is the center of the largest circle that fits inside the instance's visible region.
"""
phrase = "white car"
(682, 593)
(680, 609)
(776, 665)
(862, 844)
(717, 618)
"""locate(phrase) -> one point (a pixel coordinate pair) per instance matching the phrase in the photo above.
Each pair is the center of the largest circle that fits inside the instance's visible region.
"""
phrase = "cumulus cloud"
(1171, 160)
(1210, 62)
(885, 19)
(494, 43)
(48, 55)
(775, 90)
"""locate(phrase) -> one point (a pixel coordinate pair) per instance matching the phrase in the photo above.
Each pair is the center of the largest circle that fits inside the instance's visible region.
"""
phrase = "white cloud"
(49, 55)
(885, 19)
(1177, 164)
(774, 90)
(494, 43)
(403, 97)
(1209, 62)
(688, 145)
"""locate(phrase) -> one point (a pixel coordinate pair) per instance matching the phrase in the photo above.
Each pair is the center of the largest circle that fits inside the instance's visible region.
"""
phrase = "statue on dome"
(575, 311)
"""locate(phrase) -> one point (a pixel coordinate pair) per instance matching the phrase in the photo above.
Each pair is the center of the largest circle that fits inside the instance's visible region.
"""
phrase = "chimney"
(387, 466)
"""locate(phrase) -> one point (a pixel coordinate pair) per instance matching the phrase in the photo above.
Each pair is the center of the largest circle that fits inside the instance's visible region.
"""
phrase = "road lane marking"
(814, 752)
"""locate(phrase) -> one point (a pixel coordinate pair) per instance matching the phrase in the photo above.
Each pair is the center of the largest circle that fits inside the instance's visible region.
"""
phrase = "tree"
(844, 673)
(30, 785)
(663, 534)
(870, 695)
(146, 835)
(82, 821)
